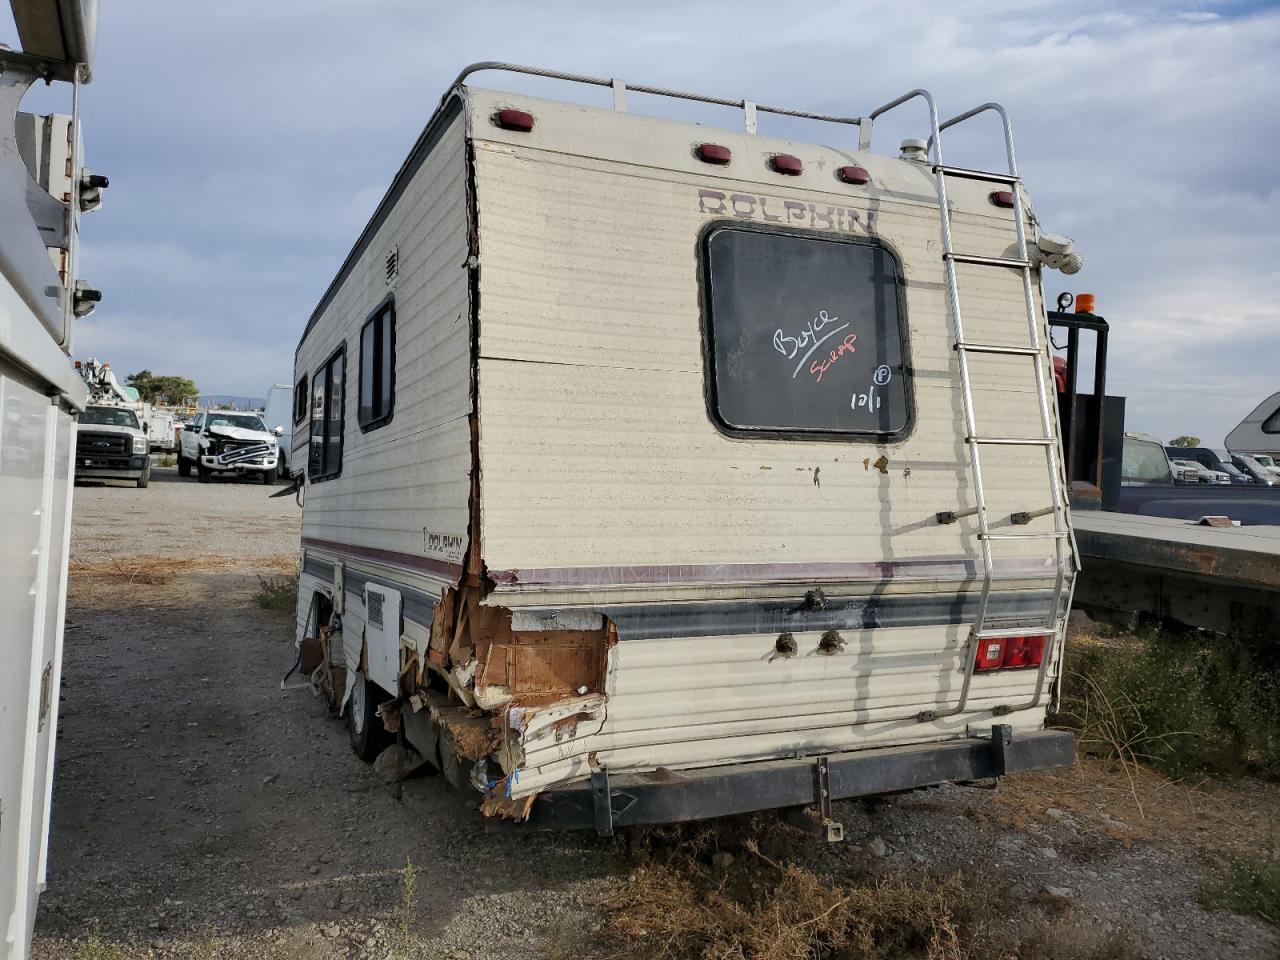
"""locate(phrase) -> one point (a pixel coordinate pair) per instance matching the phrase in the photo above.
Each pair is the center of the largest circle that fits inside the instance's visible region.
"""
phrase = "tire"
(269, 477)
(368, 737)
(184, 466)
(144, 479)
(203, 473)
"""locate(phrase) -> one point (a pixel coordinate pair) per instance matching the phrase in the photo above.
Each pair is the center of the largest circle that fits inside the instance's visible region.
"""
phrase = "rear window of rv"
(805, 336)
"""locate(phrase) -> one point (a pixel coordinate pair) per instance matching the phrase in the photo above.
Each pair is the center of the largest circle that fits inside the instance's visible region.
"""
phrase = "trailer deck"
(1218, 578)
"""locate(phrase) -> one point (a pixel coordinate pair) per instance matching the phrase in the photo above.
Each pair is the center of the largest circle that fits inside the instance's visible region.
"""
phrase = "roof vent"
(393, 264)
(786, 163)
(917, 150)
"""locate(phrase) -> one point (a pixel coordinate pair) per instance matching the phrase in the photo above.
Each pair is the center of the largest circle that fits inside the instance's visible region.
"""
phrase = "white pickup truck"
(229, 442)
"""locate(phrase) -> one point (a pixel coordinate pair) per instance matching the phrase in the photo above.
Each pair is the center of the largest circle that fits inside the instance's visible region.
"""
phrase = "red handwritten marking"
(819, 367)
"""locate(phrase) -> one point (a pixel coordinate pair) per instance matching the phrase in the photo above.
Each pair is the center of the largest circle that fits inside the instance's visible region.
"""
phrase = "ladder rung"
(969, 174)
(987, 261)
(1014, 441)
(997, 633)
(1000, 348)
(1022, 536)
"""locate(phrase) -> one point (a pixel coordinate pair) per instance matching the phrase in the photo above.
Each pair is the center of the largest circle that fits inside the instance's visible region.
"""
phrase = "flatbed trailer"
(1225, 579)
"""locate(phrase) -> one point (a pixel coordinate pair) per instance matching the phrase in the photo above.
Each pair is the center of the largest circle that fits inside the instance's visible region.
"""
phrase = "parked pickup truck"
(228, 442)
(112, 445)
(1148, 488)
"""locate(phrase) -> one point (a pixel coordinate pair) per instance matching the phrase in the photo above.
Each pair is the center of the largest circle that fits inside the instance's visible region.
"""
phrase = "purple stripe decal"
(406, 560)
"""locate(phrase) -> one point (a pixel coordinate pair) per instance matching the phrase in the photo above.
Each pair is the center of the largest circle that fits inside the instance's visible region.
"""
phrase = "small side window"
(327, 416)
(1272, 423)
(378, 368)
(301, 400)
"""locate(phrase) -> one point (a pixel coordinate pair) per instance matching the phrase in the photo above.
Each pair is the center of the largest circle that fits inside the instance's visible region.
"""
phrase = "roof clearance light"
(1084, 303)
(787, 164)
(514, 120)
(855, 175)
(713, 153)
(1002, 198)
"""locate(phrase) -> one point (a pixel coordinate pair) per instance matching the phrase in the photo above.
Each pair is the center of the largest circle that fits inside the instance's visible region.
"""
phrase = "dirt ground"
(200, 811)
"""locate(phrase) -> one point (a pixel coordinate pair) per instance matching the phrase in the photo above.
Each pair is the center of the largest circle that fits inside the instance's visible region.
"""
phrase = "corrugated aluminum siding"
(595, 443)
(412, 475)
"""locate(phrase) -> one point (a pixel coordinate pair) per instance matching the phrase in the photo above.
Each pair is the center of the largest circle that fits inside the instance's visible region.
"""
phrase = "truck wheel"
(184, 466)
(202, 472)
(368, 736)
(270, 476)
(144, 479)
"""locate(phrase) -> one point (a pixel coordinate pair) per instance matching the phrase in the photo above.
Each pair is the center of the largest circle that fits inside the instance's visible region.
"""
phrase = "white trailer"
(653, 471)
(43, 189)
(1259, 432)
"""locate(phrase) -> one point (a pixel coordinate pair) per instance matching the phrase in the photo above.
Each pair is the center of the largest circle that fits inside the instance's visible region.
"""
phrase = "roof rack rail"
(620, 89)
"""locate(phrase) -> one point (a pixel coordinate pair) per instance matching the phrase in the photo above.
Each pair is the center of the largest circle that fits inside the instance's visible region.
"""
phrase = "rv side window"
(327, 389)
(301, 400)
(1272, 423)
(378, 367)
(805, 335)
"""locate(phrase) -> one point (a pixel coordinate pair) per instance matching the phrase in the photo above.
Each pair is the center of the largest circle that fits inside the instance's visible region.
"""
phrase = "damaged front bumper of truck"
(254, 459)
(607, 802)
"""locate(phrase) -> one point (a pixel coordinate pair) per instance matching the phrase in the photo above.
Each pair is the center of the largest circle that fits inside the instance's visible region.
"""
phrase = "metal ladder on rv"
(974, 440)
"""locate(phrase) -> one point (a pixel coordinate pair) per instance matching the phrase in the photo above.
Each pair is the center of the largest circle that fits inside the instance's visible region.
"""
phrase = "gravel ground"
(200, 811)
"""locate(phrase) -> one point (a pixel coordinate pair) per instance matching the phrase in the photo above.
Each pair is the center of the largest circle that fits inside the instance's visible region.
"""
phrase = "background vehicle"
(1199, 473)
(228, 442)
(112, 445)
(1211, 460)
(1255, 470)
(1238, 476)
(1259, 432)
(44, 188)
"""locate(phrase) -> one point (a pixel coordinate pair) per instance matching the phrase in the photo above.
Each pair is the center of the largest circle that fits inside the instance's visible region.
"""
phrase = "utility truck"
(44, 187)
(113, 434)
(653, 471)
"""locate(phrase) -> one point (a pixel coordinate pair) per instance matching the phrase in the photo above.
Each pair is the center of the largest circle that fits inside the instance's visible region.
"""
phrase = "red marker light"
(855, 175)
(514, 120)
(785, 163)
(713, 153)
(1002, 198)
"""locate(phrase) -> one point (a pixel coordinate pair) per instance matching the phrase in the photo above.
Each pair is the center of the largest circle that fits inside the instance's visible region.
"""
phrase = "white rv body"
(582, 551)
(1259, 432)
(40, 395)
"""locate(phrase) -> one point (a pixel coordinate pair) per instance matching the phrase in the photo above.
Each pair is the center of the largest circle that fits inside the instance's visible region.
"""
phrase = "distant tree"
(1185, 442)
(164, 388)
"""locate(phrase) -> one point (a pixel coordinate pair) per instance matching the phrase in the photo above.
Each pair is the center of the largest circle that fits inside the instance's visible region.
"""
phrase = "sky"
(248, 142)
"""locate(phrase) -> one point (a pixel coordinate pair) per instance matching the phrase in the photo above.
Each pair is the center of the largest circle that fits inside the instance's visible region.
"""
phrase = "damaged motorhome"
(653, 471)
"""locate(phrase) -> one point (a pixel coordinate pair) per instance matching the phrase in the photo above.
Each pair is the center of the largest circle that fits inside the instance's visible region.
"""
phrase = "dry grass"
(157, 570)
(687, 903)
(1127, 803)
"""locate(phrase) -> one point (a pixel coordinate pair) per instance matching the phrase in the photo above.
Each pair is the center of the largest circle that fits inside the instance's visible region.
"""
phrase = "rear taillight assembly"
(1010, 653)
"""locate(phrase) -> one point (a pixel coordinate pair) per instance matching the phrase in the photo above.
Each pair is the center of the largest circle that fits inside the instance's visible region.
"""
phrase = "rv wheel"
(368, 737)
(184, 466)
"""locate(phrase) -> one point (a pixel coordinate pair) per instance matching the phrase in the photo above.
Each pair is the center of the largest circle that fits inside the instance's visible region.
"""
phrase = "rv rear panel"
(669, 445)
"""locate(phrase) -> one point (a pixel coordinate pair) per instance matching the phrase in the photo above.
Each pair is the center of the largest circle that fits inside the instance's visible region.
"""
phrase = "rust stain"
(882, 464)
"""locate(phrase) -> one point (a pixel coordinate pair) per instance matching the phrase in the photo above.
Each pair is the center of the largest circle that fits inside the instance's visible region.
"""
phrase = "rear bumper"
(669, 796)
